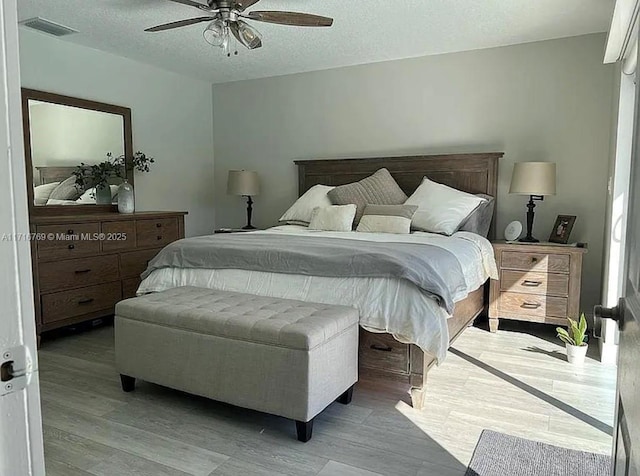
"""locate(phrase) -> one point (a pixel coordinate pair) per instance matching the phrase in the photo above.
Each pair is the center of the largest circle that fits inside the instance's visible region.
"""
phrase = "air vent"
(47, 26)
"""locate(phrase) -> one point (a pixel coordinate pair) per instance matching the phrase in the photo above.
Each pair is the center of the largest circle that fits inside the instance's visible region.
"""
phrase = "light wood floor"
(515, 381)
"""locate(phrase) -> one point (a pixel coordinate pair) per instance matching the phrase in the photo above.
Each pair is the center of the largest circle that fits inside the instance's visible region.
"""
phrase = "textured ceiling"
(364, 31)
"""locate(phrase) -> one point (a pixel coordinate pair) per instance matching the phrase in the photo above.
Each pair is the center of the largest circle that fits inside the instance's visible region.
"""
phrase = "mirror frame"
(54, 98)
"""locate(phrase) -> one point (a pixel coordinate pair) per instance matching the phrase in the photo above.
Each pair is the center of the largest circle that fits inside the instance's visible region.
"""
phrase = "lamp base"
(529, 239)
(249, 227)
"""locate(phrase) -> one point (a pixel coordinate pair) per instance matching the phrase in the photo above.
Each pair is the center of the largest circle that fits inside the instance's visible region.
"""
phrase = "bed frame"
(380, 354)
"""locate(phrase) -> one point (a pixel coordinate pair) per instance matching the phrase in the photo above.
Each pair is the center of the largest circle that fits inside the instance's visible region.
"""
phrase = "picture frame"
(562, 229)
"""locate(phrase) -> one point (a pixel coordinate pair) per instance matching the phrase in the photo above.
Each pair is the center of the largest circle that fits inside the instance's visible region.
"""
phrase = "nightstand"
(537, 283)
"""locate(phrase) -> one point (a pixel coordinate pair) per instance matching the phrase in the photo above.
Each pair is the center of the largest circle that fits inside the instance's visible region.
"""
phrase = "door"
(626, 452)
(21, 451)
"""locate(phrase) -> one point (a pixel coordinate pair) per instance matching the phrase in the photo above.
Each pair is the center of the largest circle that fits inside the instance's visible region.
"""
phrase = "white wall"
(540, 101)
(172, 118)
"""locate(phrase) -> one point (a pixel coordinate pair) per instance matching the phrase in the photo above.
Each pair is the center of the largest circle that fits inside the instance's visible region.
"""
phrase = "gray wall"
(548, 101)
(172, 118)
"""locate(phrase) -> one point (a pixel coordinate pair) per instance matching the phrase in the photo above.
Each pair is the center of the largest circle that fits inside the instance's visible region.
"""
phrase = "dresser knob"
(159, 238)
(534, 260)
(69, 232)
(71, 246)
(158, 225)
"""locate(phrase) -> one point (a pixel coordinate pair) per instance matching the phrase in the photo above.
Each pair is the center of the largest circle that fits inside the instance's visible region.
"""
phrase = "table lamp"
(536, 179)
(247, 184)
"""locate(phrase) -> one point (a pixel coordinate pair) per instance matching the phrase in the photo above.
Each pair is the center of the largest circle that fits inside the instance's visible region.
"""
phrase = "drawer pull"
(534, 259)
(531, 284)
(158, 225)
(158, 237)
(70, 232)
(85, 301)
(381, 348)
(82, 271)
(530, 305)
(71, 246)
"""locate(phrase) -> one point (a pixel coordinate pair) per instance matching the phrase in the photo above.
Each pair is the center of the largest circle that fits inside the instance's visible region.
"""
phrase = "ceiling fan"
(227, 17)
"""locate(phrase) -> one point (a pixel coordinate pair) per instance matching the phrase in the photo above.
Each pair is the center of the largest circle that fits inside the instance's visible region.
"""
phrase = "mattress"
(390, 305)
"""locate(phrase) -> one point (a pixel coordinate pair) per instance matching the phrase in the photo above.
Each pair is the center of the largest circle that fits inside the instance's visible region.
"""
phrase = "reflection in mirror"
(63, 137)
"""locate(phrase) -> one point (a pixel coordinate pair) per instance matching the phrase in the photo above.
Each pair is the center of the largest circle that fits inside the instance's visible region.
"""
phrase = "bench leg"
(128, 383)
(346, 397)
(304, 430)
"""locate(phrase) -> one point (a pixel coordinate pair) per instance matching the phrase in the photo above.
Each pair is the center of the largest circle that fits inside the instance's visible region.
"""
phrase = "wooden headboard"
(53, 174)
(472, 173)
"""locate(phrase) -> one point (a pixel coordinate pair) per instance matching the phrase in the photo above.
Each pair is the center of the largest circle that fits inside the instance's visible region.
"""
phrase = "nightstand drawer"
(532, 305)
(541, 262)
(534, 283)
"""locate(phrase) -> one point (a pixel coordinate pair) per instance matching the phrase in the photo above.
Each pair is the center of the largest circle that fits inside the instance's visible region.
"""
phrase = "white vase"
(576, 353)
(126, 199)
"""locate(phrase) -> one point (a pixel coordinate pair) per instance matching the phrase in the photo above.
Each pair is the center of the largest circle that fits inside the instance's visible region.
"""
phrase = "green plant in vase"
(98, 176)
(126, 200)
(575, 338)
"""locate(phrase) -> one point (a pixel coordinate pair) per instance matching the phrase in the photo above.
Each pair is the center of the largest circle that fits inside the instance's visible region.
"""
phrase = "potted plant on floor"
(575, 337)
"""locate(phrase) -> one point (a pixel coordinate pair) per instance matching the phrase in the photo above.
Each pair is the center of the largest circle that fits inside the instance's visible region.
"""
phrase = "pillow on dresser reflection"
(42, 193)
(66, 190)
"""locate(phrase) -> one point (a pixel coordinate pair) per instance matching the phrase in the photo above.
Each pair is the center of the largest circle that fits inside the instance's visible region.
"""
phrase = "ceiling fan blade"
(190, 3)
(178, 24)
(290, 18)
(244, 4)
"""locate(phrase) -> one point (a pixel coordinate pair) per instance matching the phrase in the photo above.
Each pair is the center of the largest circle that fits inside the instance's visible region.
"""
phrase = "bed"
(391, 356)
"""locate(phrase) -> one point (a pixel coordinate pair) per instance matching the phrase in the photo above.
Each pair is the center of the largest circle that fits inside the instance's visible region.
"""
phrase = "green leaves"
(576, 334)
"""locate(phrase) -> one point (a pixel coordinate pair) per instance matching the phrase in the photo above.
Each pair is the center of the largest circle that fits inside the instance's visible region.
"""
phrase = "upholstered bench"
(278, 356)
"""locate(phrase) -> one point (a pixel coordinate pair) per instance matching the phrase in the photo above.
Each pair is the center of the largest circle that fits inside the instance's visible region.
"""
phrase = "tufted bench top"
(265, 320)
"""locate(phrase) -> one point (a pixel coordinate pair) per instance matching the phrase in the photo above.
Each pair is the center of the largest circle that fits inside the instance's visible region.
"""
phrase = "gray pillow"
(387, 219)
(479, 221)
(377, 189)
(67, 190)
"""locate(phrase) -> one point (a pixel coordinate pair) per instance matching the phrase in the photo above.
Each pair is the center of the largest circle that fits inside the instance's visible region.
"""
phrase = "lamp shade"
(243, 182)
(533, 178)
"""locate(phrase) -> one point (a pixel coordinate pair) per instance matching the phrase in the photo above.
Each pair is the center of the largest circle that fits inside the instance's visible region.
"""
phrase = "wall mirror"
(60, 134)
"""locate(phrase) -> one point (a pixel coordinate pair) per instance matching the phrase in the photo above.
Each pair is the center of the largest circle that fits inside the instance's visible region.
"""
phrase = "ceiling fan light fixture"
(216, 34)
(247, 35)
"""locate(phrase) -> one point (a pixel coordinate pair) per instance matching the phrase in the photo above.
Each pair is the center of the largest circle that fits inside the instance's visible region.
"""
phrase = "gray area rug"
(497, 454)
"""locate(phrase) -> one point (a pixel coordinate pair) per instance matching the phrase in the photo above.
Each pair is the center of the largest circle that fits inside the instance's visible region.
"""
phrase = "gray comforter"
(434, 270)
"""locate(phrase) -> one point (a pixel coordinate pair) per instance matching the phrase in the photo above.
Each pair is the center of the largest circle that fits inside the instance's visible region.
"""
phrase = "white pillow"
(441, 209)
(300, 212)
(41, 193)
(333, 218)
(89, 196)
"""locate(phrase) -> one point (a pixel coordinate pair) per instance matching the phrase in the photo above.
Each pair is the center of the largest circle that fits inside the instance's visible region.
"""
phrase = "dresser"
(84, 264)
(537, 283)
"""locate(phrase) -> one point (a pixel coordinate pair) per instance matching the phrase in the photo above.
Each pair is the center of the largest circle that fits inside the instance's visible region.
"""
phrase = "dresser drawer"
(541, 262)
(68, 241)
(130, 287)
(68, 274)
(515, 304)
(68, 304)
(134, 263)
(156, 232)
(118, 235)
(532, 282)
(382, 351)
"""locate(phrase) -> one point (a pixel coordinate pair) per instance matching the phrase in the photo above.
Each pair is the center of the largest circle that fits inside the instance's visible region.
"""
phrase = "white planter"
(576, 354)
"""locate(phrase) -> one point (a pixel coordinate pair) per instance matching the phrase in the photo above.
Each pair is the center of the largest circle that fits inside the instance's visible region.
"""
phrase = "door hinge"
(16, 368)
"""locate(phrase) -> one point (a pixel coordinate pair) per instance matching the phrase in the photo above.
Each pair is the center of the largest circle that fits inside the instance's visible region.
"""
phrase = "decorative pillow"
(387, 219)
(300, 212)
(89, 196)
(41, 193)
(66, 190)
(479, 221)
(441, 209)
(377, 189)
(333, 218)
